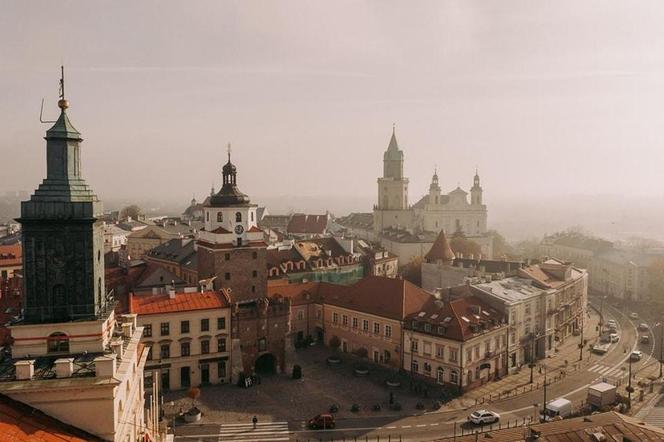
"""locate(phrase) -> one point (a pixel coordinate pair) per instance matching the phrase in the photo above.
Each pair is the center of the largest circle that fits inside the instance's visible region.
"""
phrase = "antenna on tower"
(62, 103)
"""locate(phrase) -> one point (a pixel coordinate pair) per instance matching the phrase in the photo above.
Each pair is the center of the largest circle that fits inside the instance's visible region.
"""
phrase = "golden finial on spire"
(62, 103)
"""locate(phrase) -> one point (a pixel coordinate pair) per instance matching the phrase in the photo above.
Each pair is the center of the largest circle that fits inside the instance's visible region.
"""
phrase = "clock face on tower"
(239, 229)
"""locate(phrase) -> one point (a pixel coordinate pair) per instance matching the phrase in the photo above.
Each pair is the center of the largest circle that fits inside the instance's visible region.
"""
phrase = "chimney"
(127, 329)
(117, 348)
(105, 366)
(64, 367)
(25, 370)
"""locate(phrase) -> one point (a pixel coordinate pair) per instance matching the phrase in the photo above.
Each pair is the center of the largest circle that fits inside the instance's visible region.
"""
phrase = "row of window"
(452, 377)
(227, 256)
(185, 348)
(453, 353)
(165, 327)
(387, 329)
(220, 217)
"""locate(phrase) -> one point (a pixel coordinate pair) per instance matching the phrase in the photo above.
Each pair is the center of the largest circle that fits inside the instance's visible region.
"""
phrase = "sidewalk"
(561, 363)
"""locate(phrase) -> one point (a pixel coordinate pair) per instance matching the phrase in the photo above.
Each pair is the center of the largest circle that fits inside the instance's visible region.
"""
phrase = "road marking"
(420, 425)
(406, 426)
(391, 428)
(433, 425)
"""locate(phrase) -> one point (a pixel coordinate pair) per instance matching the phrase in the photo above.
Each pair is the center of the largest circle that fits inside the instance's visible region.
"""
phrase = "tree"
(412, 272)
(131, 211)
(361, 352)
(462, 245)
(194, 393)
(335, 343)
(500, 246)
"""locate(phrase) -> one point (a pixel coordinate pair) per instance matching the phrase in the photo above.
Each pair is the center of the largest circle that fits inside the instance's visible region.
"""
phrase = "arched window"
(238, 217)
(207, 216)
(440, 375)
(58, 342)
(252, 216)
(220, 217)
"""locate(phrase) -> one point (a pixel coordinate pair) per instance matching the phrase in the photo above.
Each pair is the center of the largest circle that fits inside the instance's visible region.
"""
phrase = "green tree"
(460, 244)
(131, 211)
(412, 272)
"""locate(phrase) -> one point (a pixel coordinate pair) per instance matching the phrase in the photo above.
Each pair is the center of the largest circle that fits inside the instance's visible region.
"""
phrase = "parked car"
(635, 355)
(612, 322)
(557, 409)
(481, 417)
(643, 326)
(605, 338)
(614, 337)
(634, 315)
(645, 339)
(322, 421)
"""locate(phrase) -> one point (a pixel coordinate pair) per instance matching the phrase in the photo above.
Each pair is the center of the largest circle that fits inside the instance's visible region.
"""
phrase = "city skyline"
(289, 90)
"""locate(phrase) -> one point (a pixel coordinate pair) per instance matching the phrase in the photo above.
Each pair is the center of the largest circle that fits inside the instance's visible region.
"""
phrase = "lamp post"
(583, 314)
(629, 388)
(544, 403)
(661, 346)
(532, 356)
(601, 315)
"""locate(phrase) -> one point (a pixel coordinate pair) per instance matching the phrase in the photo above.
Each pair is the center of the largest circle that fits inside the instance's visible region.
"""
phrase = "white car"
(612, 323)
(615, 337)
(634, 315)
(643, 327)
(635, 355)
(481, 417)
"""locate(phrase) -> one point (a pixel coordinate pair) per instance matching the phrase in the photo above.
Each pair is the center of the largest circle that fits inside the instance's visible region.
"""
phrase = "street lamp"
(583, 314)
(544, 403)
(629, 388)
(532, 356)
(661, 346)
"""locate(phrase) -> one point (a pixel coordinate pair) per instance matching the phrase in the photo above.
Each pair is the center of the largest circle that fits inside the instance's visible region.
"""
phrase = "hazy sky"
(546, 98)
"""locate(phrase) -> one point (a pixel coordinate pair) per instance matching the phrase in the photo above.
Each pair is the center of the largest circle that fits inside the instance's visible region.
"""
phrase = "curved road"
(445, 422)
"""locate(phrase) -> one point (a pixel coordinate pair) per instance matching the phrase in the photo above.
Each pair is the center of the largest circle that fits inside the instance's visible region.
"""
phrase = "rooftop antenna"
(62, 103)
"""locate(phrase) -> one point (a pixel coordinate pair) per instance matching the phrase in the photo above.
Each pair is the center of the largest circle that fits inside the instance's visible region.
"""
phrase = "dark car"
(322, 421)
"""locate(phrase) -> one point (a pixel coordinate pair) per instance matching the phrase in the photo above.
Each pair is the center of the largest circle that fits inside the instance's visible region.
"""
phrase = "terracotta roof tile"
(440, 250)
(220, 230)
(183, 302)
(313, 224)
(20, 422)
(11, 255)
(387, 297)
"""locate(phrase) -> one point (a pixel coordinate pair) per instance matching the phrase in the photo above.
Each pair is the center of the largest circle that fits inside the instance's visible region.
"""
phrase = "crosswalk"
(608, 371)
(264, 432)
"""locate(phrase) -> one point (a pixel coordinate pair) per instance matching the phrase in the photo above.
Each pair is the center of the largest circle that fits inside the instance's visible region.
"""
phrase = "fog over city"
(558, 105)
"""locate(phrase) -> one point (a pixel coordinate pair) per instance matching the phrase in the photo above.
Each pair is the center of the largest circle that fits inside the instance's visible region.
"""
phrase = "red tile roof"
(183, 302)
(254, 229)
(220, 230)
(298, 293)
(440, 250)
(377, 295)
(20, 422)
(10, 255)
(451, 314)
(313, 224)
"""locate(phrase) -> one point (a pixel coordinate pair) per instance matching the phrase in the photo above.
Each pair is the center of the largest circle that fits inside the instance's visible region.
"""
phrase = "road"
(514, 411)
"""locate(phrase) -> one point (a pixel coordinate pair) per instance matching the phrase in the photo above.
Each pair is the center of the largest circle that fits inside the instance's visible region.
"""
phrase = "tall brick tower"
(232, 247)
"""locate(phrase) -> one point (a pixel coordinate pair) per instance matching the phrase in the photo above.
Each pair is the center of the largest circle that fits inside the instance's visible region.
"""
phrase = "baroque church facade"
(433, 212)
(409, 230)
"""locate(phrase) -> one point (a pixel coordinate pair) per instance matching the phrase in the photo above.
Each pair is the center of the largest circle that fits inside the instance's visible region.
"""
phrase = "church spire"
(229, 194)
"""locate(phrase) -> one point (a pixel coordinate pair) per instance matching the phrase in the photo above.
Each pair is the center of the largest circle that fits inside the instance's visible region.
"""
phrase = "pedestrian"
(255, 421)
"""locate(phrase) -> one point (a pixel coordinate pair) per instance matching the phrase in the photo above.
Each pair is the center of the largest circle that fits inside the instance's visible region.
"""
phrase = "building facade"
(461, 343)
(434, 212)
(187, 335)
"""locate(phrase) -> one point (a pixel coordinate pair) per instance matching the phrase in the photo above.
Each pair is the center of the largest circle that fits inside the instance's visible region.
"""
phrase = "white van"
(557, 409)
